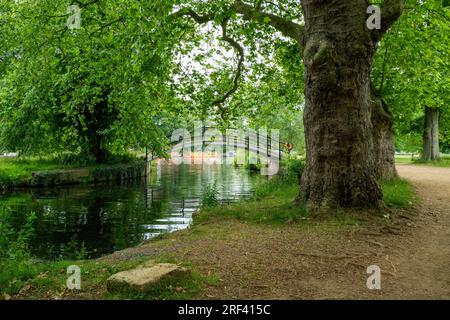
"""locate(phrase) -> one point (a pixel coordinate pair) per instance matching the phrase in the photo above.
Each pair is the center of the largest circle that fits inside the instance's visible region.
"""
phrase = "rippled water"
(90, 221)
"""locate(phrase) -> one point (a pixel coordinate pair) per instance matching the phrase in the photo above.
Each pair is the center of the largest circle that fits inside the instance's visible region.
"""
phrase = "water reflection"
(76, 222)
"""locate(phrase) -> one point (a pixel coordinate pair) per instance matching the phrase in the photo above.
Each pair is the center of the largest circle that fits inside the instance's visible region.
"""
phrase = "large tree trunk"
(384, 140)
(431, 135)
(341, 167)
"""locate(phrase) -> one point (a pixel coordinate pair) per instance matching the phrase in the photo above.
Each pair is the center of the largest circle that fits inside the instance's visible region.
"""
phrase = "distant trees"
(412, 73)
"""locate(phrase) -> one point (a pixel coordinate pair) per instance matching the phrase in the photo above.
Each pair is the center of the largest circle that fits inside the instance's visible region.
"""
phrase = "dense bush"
(290, 173)
(293, 168)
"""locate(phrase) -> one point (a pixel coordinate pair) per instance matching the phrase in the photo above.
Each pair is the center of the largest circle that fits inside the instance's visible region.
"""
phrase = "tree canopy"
(412, 71)
(132, 71)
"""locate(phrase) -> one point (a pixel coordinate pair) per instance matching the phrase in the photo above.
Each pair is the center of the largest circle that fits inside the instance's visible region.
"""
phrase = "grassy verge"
(274, 203)
(23, 277)
(18, 171)
(48, 280)
(398, 193)
(444, 162)
(404, 160)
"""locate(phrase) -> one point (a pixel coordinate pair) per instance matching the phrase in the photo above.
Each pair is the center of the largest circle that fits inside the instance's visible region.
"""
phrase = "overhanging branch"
(240, 50)
(286, 27)
(201, 19)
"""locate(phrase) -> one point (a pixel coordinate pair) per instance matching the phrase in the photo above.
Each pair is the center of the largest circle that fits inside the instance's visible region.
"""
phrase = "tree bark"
(431, 135)
(384, 140)
(338, 49)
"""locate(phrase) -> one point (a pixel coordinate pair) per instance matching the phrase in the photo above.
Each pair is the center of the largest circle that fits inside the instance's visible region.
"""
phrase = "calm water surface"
(90, 221)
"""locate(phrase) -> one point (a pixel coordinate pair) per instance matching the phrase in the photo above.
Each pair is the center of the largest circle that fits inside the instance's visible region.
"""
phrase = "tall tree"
(338, 49)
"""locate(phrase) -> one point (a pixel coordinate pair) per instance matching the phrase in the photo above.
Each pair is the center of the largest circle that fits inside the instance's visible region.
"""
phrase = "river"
(90, 221)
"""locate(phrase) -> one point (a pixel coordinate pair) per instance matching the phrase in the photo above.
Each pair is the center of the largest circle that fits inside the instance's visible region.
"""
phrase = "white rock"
(144, 277)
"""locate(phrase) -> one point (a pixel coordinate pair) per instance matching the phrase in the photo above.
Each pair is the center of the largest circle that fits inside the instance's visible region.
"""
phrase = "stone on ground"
(144, 277)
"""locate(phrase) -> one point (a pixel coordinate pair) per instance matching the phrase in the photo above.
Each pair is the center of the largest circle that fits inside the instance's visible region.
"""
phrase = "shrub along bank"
(23, 173)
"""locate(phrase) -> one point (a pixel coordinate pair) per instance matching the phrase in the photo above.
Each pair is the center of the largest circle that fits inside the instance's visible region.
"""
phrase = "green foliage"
(282, 81)
(210, 195)
(412, 70)
(15, 262)
(95, 91)
(73, 250)
(293, 167)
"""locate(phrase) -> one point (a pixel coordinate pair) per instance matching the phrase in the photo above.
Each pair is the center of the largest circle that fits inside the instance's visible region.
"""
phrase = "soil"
(324, 261)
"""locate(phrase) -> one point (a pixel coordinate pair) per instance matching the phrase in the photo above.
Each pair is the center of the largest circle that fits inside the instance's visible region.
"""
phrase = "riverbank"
(262, 248)
(32, 172)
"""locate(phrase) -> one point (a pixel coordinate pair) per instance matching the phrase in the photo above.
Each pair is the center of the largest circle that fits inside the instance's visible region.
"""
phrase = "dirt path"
(425, 264)
(325, 261)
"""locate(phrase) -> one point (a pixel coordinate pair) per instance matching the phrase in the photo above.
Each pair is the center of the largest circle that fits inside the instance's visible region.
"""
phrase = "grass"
(16, 171)
(444, 162)
(47, 280)
(273, 203)
(403, 160)
(398, 193)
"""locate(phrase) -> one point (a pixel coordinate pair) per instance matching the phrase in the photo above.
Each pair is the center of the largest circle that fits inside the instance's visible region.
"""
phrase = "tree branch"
(201, 19)
(106, 26)
(288, 28)
(240, 50)
(186, 12)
